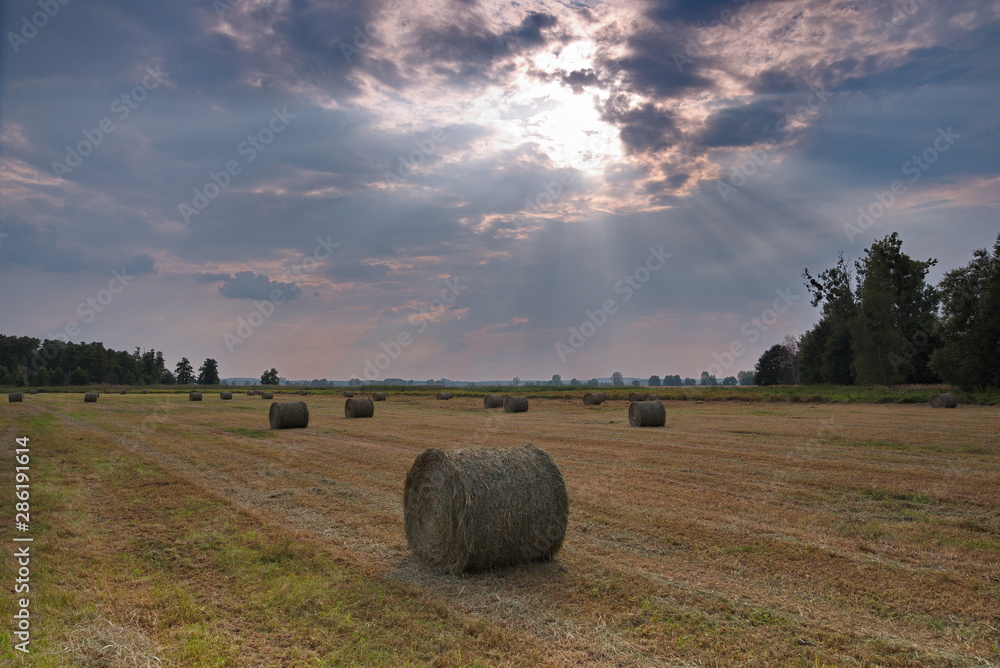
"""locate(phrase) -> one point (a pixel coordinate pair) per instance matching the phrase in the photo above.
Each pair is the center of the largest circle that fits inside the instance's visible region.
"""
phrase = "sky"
(478, 190)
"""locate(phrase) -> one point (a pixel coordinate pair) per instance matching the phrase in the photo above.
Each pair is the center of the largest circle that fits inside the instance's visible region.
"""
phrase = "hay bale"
(123, 392)
(378, 396)
(266, 395)
(359, 407)
(226, 395)
(144, 392)
(647, 414)
(32, 391)
(289, 415)
(251, 393)
(194, 396)
(469, 510)
(515, 405)
(303, 392)
(90, 397)
(593, 398)
(944, 401)
(650, 397)
(348, 394)
(493, 401)
(15, 397)
(444, 395)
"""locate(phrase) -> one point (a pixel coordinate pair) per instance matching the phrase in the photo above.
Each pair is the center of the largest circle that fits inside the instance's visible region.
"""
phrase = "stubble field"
(177, 533)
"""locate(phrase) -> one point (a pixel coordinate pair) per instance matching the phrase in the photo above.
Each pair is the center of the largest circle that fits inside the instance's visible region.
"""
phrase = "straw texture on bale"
(378, 396)
(90, 397)
(647, 414)
(289, 415)
(359, 407)
(226, 395)
(15, 397)
(515, 405)
(636, 396)
(194, 396)
(32, 391)
(469, 510)
(944, 401)
(592, 399)
(445, 395)
(348, 394)
(493, 401)
(266, 395)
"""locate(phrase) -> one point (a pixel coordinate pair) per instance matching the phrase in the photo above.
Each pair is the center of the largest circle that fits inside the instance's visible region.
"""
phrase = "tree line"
(882, 323)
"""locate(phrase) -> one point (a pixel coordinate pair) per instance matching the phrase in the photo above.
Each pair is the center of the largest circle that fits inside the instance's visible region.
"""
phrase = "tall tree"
(970, 327)
(556, 379)
(184, 372)
(828, 354)
(768, 369)
(708, 379)
(269, 377)
(745, 377)
(617, 379)
(208, 373)
(654, 381)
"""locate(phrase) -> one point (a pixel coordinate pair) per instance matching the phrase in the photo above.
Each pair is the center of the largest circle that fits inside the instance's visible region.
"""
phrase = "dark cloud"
(580, 79)
(28, 245)
(248, 285)
(644, 129)
(140, 265)
(742, 126)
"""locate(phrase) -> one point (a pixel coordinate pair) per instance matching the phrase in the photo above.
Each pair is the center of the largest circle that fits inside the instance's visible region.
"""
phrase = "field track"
(740, 534)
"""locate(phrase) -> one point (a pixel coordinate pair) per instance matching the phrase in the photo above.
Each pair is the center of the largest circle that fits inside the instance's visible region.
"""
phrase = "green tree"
(729, 381)
(516, 381)
(269, 377)
(745, 377)
(970, 324)
(79, 377)
(617, 380)
(167, 378)
(208, 372)
(768, 369)
(593, 382)
(184, 372)
(42, 377)
(556, 379)
(636, 383)
(829, 356)
(690, 381)
(574, 382)
(708, 379)
(654, 381)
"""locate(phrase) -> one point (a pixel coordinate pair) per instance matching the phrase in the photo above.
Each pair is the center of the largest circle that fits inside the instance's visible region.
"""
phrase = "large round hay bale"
(32, 391)
(289, 415)
(493, 401)
(602, 396)
(378, 396)
(593, 399)
(444, 395)
(226, 395)
(647, 414)
(515, 405)
(194, 396)
(468, 510)
(636, 396)
(359, 407)
(14, 397)
(348, 394)
(90, 397)
(266, 395)
(944, 401)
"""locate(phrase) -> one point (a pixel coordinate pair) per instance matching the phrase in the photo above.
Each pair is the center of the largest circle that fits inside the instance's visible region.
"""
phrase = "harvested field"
(745, 534)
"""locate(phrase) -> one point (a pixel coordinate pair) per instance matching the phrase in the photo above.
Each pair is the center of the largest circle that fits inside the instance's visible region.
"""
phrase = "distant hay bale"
(650, 397)
(226, 395)
(144, 392)
(493, 401)
(944, 401)
(359, 407)
(251, 393)
(445, 395)
(32, 391)
(194, 396)
(603, 396)
(303, 392)
(123, 392)
(378, 396)
(593, 398)
(515, 405)
(90, 397)
(469, 510)
(647, 414)
(289, 415)
(15, 397)
(636, 396)
(348, 394)
(266, 395)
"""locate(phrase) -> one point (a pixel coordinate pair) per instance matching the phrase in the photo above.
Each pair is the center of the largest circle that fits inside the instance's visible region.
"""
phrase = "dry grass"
(746, 534)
